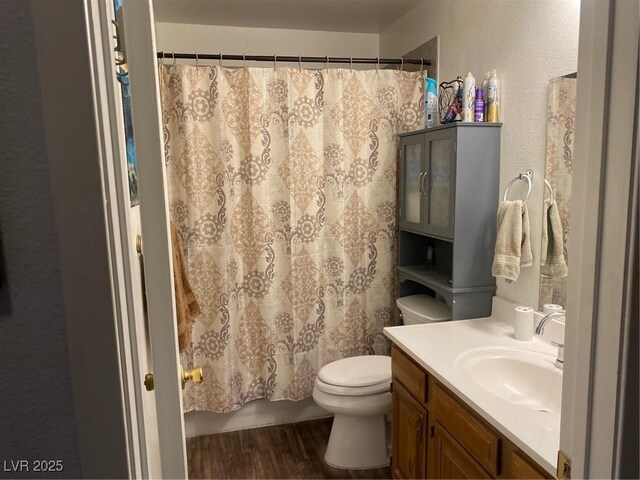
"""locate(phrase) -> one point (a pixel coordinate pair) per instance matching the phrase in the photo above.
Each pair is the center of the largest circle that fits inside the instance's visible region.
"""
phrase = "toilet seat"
(353, 391)
(357, 372)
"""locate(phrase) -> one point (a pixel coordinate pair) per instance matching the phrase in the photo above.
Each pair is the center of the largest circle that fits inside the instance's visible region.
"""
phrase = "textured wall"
(37, 416)
(528, 42)
(176, 37)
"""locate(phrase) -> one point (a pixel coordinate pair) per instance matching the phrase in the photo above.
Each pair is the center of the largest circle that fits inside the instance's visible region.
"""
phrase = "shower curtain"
(282, 182)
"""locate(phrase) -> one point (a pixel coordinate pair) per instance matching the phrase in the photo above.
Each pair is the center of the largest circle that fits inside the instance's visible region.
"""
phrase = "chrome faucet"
(560, 317)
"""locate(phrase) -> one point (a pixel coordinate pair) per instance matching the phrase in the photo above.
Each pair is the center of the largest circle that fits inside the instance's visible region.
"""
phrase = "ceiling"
(362, 16)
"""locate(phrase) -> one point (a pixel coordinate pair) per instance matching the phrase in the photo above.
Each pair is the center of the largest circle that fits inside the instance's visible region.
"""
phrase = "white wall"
(176, 37)
(528, 42)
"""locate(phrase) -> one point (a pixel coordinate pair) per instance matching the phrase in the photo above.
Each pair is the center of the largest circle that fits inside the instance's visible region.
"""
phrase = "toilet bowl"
(357, 391)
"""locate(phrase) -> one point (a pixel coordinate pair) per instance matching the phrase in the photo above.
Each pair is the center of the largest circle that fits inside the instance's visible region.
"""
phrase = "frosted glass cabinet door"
(439, 186)
(411, 170)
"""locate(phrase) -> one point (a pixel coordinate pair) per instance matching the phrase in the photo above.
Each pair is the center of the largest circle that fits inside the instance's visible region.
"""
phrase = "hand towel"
(552, 262)
(187, 307)
(513, 241)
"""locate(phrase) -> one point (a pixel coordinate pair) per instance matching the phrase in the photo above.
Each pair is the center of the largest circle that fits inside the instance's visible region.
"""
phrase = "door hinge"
(563, 471)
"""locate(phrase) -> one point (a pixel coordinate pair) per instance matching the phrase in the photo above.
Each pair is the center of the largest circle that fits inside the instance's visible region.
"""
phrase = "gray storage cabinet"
(449, 180)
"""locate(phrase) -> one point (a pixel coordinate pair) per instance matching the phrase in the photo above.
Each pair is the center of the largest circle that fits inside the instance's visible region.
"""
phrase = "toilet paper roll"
(523, 323)
(551, 308)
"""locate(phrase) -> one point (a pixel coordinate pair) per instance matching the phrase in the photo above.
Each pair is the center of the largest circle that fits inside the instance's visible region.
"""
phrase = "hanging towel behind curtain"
(187, 308)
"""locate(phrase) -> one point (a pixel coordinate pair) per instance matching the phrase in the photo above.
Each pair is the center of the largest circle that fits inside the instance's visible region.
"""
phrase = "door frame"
(601, 204)
(82, 112)
(86, 214)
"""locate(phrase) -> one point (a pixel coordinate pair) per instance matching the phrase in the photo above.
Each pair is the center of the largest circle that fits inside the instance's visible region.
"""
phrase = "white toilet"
(417, 309)
(357, 391)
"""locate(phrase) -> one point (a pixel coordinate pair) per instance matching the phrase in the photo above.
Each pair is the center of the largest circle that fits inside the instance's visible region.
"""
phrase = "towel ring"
(548, 187)
(526, 176)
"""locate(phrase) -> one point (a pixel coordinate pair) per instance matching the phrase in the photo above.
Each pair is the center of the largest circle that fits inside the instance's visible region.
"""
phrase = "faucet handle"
(560, 359)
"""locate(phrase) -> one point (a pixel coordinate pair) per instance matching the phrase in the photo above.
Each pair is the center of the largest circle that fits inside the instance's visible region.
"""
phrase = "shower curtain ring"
(351, 64)
(197, 65)
(244, 61)
(173, 54)
(401, 63)
(299, 63)
(220, 60)
(275, 59)
(378, 65)
(421, 64)
(326, 62)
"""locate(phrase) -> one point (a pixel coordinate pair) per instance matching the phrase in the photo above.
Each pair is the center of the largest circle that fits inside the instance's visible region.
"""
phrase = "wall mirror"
(554, 257)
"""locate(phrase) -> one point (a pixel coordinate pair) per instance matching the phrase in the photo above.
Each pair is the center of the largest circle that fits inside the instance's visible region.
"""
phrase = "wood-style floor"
(295, 450)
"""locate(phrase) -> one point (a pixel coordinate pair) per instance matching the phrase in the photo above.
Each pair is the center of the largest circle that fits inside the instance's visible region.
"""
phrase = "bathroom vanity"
(470, 401)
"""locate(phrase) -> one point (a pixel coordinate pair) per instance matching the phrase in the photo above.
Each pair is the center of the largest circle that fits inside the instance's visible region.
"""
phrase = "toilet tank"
(417, 309)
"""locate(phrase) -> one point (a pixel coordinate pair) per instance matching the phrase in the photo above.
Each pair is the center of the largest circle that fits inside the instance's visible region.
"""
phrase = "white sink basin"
(521, 377)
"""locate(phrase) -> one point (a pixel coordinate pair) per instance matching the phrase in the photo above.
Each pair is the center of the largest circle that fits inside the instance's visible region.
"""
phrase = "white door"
(160, 435)
(145, 102)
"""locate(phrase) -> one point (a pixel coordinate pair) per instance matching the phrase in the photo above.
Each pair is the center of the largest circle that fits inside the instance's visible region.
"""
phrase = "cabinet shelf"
(436, 280)
(427, 276)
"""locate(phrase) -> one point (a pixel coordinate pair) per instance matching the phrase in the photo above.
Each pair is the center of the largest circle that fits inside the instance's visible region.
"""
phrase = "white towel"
(552, 262)
(513, 241)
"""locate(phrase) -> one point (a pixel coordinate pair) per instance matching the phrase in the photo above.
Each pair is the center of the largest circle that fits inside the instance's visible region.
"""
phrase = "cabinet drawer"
(479, 440)
(412, 377)
(521, 467)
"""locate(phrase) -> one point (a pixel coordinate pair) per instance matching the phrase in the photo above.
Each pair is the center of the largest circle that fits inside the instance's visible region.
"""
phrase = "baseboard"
(259, 413)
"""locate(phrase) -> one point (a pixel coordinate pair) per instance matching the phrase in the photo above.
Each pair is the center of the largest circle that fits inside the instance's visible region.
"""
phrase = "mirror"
(554, 258)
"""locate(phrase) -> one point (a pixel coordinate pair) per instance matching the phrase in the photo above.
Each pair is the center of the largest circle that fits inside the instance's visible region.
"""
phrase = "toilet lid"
(357, 371)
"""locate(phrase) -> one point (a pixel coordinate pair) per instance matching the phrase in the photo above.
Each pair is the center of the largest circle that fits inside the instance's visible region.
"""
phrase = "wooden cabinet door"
(409, 458)
(447, 458)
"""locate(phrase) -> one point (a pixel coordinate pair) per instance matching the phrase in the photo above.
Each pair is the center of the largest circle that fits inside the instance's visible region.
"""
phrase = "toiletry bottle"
(478, 115)
(469, 87)
(431, 103)
(485, 89)
(493, 95)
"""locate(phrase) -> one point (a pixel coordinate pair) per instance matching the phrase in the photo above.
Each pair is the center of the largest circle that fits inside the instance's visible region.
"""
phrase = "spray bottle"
(485, 91)
(493, 99)
(469, 87)
(431, 103)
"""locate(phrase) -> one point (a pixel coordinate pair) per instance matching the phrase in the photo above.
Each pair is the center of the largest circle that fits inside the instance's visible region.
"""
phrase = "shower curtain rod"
(292, 59)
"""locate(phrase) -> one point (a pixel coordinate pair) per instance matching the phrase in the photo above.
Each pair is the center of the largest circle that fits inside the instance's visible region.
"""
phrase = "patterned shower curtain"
(282, 182)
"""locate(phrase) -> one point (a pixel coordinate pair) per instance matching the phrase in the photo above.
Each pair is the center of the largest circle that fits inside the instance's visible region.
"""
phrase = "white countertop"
(437, 346)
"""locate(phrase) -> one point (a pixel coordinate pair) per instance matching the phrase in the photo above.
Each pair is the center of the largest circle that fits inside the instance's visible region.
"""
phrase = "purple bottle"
(478, 115)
